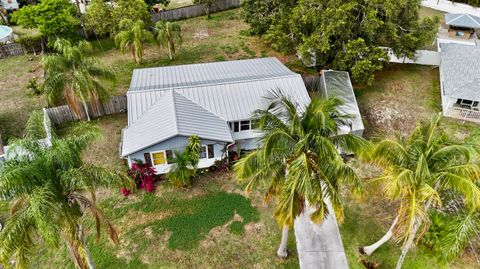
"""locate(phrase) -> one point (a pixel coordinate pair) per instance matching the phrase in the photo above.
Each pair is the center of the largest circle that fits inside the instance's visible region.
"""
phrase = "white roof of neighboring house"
(338, 84)
(231, 90)
(459, 71)
(173, 115)
(462, 20)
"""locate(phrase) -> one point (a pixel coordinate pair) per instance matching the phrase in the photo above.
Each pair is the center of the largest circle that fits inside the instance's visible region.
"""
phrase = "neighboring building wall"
(179, 143)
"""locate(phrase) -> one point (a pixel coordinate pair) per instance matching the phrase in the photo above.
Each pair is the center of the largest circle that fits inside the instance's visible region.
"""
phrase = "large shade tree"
(51, 189)
(168, 34)
(131, 36)
(341, 34)
(300, 159)
(78, 77)
(418, 170)
(53, 18)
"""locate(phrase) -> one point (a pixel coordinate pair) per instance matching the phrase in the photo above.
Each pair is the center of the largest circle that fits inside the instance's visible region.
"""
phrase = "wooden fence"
(10, 50)
(312, 83)
(193, 11)
(62, 114)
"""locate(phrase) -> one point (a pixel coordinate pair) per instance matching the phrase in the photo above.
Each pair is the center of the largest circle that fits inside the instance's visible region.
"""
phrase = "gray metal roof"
(169, 77)
(233, 100)
(338, 84)
(173, 114)
(462, 20)
(460, 71)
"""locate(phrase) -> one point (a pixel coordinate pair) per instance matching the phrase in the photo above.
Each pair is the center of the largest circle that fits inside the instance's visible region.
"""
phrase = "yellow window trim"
(159, 157)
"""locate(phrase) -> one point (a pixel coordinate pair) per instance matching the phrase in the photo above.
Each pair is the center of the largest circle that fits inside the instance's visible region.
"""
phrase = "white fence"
(451, 7)
(424, 57)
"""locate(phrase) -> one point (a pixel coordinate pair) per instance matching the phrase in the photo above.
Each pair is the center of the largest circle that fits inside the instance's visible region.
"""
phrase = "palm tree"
(47, 186)
(168, 33)
(132, 35)
(417, 171)
(185, 163)
(72, 73)
(300, 159)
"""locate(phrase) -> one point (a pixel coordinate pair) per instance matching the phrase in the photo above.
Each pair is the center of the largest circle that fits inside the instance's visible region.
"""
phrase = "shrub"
(144, 176)
(33, 87)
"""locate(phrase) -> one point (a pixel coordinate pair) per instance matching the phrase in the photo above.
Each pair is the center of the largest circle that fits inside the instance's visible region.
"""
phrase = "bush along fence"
(193, 11)
(62, 114)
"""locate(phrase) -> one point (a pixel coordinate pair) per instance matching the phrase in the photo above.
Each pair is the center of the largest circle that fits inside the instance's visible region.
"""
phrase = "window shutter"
(148, 158)
(210, 151)
(169, 154)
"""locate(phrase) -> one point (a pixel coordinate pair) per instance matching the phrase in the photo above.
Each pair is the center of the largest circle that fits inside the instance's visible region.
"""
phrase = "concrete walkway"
(450, 7)
(319, 246)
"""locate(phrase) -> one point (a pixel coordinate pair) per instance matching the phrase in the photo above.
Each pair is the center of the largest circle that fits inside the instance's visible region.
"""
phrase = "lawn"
(211, 225)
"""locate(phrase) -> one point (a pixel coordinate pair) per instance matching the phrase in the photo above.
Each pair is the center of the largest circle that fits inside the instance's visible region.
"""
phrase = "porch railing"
(464, 114)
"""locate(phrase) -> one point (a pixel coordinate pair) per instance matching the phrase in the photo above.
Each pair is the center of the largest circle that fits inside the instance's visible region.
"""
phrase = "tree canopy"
(341, 34)
(104, 18)
(53, 18)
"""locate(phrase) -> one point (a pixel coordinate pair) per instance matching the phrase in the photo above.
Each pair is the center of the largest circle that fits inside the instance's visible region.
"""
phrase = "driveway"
(319, 246)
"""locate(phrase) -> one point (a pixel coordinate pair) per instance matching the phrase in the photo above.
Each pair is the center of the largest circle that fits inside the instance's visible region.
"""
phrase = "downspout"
(228, 146)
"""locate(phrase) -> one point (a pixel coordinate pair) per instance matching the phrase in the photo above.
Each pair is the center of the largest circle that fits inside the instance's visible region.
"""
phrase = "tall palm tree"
(132, 35)
(71, 72)
(300, 159)
(47, 186)
(417, 171)
(168, 33)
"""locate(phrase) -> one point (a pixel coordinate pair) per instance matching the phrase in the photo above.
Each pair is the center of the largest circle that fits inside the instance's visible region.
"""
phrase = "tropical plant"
(182, 170)
(79, 78)
(47, 186)
(417, 171)
(193, 148)
(132, 35)
(99, 18)
(300, 159)
(144, 176)
(168, 33)
(184, 163)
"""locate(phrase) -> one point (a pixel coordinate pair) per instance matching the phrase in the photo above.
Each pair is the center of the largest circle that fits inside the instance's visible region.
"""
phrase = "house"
(338, 84)
(215, 101)
(460, 81)
(459, 29)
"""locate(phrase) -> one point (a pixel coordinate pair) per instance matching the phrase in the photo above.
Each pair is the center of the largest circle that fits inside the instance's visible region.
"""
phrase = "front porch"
(464, 114)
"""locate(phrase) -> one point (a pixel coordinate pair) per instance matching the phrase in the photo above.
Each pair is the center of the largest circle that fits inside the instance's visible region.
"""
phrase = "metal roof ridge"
(214, 84)
(146, 112)
(193, 101)
(175, 118)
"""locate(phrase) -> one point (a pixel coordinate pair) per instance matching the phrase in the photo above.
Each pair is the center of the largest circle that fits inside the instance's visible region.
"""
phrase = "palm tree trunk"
(170, 51)
(282, 249)
(134, 55)
(88, 255)
(368, 250)
(85, 106)
(412, 235)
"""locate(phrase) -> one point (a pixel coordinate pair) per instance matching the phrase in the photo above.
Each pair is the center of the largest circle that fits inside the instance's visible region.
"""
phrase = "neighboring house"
(215, 101)
(9, 5)
(459, 29)
(460, 81)
(338, 84)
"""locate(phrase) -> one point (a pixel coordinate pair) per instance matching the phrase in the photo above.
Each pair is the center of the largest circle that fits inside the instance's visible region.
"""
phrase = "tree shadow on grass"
(198, 216)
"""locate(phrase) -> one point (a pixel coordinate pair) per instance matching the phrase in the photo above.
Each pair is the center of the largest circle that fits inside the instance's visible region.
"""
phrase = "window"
(238, 126)
(169, 154)
(245, 125)
(202, 154)
(211, 153)
(148, 158)
(158, 158)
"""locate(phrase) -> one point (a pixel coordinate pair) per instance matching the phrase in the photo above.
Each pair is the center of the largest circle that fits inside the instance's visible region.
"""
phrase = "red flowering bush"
(144, 176)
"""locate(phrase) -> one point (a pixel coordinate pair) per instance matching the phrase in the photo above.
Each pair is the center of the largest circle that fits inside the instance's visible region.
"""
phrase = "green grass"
(209, 226)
